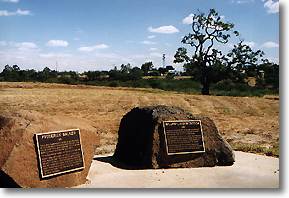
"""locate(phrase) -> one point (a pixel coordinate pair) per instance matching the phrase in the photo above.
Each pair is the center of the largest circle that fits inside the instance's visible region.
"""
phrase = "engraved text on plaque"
(59, 152)
(183, 136)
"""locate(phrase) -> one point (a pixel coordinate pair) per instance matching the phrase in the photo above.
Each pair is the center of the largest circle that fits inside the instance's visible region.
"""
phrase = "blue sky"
(100, 34)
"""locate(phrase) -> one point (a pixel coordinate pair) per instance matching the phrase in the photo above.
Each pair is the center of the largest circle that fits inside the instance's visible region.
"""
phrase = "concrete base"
(249, 171)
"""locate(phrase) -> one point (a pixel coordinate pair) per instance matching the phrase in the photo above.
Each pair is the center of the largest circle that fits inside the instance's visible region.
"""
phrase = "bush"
(170, 76)
(156, 84)
(225, 85)
(114, 84)
(140, 83)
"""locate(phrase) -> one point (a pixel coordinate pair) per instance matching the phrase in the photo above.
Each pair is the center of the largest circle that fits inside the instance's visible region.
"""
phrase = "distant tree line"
(125, 73)
(266, 74)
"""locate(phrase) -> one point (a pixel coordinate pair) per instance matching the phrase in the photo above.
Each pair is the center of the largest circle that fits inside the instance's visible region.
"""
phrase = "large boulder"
(18, 158)
(141, 141)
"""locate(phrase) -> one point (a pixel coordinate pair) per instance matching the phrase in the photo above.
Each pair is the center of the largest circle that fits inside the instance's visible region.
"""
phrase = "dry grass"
(243, 121)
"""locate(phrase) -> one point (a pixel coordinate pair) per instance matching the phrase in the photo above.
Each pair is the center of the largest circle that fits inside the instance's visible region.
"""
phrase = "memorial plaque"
(184, 136)
(59, 152)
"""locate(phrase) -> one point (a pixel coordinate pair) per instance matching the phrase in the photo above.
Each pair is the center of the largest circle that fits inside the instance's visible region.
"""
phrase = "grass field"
(249, 124)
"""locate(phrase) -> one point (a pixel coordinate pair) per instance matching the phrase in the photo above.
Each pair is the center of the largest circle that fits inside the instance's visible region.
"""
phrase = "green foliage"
(133, 78)
(187, 85)
(96, 75)
(154, 72)
(243, 61)
(268, 75)
(181, 56)
(207, 30)
(209, 65)
(170, 76)
(125, 68)
(11, 73)
(135, 74)
(254, 148)
(225, 85)
(126, 73)
(146, 67)
(114, 84)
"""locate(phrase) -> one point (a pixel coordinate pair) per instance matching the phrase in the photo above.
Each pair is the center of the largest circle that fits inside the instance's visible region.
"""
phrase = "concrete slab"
(249, 171)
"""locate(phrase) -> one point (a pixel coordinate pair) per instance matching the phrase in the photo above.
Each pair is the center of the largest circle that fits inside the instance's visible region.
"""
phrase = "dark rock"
(141, 141)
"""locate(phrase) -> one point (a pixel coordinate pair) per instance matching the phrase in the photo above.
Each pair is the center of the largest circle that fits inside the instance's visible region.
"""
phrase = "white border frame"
(179, 153)
(39, 157)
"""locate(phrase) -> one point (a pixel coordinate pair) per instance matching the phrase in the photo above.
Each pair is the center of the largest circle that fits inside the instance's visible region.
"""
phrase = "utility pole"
(164, 60)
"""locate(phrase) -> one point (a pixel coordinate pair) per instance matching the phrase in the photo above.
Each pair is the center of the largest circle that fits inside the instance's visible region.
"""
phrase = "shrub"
(225, 85)
(114, 84)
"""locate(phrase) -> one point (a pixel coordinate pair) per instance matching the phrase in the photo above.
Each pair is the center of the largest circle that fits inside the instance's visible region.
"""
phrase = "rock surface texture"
(141, 141)
(18, 158)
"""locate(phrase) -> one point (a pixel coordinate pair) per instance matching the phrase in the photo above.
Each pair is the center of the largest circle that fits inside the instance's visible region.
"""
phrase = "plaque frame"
(181, 153)
(39, 154)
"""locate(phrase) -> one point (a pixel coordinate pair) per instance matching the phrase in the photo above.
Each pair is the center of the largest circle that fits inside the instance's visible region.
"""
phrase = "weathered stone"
(141, 141)
(18, 158)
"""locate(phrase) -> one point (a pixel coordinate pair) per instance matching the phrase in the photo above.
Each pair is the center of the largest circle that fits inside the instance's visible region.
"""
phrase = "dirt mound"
(141, 140)
(18, 157)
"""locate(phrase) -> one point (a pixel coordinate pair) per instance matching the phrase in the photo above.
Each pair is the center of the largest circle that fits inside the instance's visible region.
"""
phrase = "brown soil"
(243, 121)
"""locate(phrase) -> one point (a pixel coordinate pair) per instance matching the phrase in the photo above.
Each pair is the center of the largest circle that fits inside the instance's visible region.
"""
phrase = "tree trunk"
(205, 81)
(206, 88)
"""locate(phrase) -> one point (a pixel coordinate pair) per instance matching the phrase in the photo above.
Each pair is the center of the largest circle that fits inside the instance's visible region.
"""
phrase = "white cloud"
(271, 6)
(93, 48)
(270, 44)
(189, 19)
(55, 55)
(21, 53)
(26, 45)
(148, 42)
(10, 1)
(153, 49)
(18, 12)
(250, 43)
(151, 36)
(57, 43)
(243, 1)
(22, 12)
(19, 45)
(169, 29)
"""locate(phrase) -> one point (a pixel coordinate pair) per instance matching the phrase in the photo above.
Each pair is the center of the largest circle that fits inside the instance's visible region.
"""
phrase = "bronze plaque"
(184, 136)
(59, 152)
